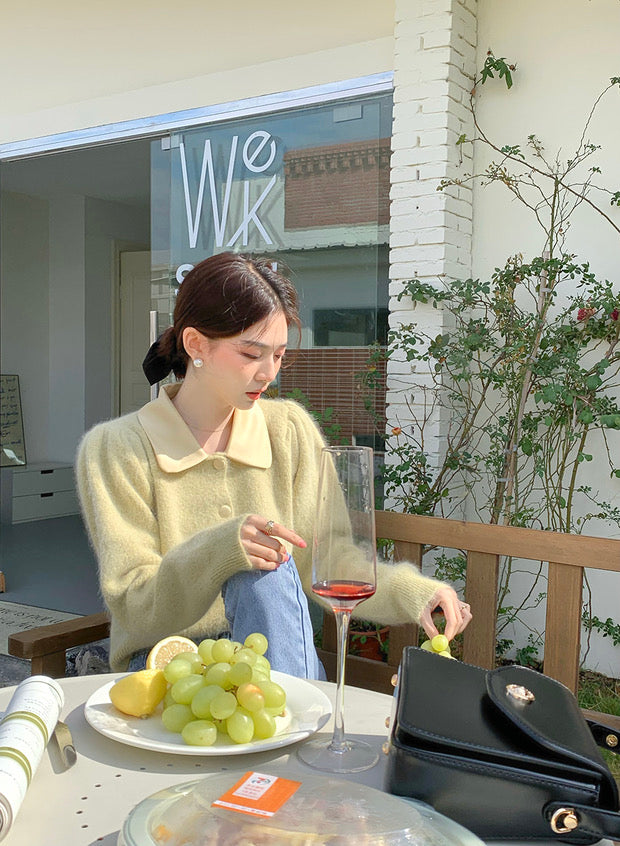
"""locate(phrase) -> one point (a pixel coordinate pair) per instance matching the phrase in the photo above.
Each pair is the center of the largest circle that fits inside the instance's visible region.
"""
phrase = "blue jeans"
(271, 602)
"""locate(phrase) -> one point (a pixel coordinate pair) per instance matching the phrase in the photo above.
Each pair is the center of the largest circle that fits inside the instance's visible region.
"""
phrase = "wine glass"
(344, 573)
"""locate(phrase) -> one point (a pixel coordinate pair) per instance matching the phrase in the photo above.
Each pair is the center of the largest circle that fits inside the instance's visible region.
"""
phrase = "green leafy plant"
(607, 628)
(525, 374)
(369, 381)
(527, 387)
(528, 655)
(361, 631)
(326, 417)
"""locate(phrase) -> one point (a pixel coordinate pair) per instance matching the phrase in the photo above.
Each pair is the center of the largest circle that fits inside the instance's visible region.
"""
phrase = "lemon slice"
(165, 650)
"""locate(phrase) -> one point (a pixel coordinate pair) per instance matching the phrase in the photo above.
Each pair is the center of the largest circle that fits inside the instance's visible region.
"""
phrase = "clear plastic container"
(322, 811)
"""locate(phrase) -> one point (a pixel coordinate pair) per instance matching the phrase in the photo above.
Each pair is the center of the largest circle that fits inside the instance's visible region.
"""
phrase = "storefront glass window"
(308, 187)
(94, 236)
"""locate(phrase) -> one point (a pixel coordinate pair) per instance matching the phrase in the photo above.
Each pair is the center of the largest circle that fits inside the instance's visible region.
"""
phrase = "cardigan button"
(225, 511)
(219, 463)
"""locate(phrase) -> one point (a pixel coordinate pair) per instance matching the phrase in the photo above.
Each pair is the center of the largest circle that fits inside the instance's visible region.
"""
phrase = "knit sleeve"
(402, 591)
(142, 588)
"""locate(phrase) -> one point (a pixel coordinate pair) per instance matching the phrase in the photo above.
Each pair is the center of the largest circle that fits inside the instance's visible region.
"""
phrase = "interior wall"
(331, 279)
(66, 327)
(24, 340)
(57, 304)
(190, 55)
(105, 223)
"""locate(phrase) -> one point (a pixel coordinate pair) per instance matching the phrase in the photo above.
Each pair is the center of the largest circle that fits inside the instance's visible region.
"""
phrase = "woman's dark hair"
(221, 297)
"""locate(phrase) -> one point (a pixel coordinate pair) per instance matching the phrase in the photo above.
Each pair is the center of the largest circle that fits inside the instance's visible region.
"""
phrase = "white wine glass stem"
(342, 631)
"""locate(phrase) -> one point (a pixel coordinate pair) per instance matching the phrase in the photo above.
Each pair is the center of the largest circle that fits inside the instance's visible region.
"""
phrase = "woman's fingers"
(467, 616)
(271, 529)
(274, 554)
(452, 613)
(262, 564)
(268, 531)
(456, 612)
(426, 621)
(261, 541)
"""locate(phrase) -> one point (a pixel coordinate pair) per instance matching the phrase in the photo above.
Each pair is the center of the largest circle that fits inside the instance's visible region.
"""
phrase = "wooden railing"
(46, 646)
(567, 557)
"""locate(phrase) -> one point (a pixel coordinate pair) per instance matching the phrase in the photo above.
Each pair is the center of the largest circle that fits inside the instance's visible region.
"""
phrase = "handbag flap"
(547, 712)
(443, 704)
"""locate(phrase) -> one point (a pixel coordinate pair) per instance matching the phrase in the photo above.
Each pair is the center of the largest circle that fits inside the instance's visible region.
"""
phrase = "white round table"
(88, 803)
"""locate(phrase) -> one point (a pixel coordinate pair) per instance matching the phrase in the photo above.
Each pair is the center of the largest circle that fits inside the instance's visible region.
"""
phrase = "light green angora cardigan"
(164, 518)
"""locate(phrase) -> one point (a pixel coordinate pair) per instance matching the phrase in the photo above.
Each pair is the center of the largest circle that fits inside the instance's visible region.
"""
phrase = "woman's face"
(238, 370)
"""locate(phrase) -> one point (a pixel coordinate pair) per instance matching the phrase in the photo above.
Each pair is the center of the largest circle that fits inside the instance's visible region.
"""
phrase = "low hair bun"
(162, 358)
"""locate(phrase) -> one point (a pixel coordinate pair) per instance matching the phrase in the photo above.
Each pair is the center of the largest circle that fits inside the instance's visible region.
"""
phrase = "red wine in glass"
(343, 595)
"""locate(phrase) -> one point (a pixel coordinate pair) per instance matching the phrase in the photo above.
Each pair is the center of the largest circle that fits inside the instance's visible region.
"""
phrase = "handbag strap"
(583, 819)
(605, 736)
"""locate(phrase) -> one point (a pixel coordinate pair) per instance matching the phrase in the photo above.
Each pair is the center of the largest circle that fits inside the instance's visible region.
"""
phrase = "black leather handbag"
(507, 752)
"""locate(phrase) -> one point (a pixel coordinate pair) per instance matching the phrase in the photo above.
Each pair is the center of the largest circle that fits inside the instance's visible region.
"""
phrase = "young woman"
(196, 504)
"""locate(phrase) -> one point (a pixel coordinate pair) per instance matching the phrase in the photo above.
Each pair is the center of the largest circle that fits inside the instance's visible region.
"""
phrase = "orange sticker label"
(258, 794)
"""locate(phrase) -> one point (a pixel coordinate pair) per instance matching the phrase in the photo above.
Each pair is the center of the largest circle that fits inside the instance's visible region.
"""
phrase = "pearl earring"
(198, 362)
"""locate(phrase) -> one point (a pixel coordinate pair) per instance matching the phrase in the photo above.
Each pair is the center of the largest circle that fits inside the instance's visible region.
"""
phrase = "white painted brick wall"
(433, 7)
(411, 222)
(409, 188)
(413, 25)
(430, 233)
(419, 156)
(417, 120)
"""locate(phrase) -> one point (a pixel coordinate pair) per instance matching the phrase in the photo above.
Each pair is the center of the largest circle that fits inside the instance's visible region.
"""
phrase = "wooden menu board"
(12, 448)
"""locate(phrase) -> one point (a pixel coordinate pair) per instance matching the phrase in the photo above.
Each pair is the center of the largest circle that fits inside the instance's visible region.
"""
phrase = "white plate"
(307, 710)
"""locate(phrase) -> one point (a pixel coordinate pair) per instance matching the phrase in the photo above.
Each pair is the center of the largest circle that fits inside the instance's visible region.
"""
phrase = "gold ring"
(268, 530)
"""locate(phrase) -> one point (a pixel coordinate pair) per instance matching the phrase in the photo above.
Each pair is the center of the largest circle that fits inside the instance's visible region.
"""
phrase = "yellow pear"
(139, 693)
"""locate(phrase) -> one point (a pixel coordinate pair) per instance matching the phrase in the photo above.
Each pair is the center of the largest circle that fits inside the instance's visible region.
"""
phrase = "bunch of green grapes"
(438, 644)
(225, 686)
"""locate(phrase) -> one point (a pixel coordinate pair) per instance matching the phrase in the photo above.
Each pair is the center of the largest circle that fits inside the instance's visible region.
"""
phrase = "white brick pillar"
(430, 231)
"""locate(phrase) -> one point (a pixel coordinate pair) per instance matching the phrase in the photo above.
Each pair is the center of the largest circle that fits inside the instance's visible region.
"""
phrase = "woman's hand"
(259, 539)
(456, 612)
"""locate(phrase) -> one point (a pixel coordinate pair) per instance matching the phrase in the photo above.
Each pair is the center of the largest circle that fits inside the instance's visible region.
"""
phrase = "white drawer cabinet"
(38, 492)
